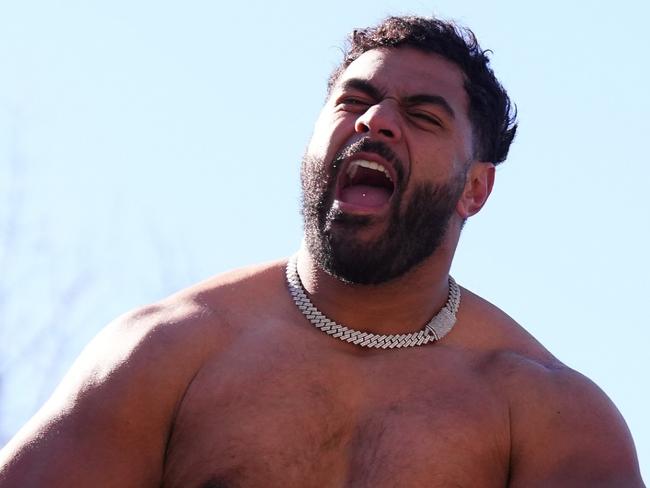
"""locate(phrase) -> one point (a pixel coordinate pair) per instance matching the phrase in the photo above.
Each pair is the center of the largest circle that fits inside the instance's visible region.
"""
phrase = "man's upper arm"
(108, 422)
(567, 433)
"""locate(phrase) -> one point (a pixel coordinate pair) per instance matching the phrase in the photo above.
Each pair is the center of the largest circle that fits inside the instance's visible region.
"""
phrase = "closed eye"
(353, 101)
(425, 117)
(353, 104)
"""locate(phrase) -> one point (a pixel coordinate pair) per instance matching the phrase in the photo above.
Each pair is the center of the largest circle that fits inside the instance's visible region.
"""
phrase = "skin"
(227, 385)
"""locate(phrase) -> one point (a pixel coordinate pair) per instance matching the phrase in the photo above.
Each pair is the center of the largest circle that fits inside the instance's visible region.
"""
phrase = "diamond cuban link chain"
(434, 330)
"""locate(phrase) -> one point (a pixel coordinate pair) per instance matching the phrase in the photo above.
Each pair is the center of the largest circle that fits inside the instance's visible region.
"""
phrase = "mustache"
(370, 146)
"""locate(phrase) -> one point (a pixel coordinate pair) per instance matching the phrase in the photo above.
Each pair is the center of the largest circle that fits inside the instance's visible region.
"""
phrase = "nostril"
(361, 127)
(387, 132)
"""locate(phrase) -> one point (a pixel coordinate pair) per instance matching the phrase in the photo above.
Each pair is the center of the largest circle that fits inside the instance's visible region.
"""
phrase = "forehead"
(407, 71)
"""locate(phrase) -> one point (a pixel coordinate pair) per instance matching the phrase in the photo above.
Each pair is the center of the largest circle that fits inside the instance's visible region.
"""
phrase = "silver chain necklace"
(434, 330)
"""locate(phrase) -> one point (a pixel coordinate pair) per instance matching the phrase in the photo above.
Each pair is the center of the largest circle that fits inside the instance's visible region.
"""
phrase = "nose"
(381, 121)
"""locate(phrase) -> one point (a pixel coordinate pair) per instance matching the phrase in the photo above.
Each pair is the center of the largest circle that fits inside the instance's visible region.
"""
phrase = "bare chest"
(290, 418)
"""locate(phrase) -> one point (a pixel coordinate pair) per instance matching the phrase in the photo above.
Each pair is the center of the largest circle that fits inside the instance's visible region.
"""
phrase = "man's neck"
(400, 306)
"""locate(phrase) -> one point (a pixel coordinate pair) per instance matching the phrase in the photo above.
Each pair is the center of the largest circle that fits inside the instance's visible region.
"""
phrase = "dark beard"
(413, 234)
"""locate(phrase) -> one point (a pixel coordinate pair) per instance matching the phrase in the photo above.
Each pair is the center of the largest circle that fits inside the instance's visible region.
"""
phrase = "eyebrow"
(364, 86)
(420, 99)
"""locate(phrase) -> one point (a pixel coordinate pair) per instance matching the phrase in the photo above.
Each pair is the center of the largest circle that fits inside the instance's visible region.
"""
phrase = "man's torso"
(285, 405)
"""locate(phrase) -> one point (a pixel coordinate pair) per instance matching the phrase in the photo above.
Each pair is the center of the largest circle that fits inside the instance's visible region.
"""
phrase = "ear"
(478, 186)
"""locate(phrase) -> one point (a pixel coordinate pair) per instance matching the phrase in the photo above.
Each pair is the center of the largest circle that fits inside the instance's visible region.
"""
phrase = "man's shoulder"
(519, 363)
(244, 285)
(139, 368)
(169, 340)
(500, 341)
(565, 431)
(563, 427)
(208, 306)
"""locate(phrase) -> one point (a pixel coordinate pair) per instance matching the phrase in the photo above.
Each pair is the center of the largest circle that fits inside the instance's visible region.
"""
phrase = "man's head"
(401, 148)
(490, 110)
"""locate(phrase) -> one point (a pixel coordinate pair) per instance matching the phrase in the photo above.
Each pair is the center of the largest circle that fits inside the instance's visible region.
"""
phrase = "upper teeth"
(354, 166)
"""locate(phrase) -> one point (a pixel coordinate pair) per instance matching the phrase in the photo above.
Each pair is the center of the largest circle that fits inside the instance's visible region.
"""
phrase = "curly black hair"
(491, 113)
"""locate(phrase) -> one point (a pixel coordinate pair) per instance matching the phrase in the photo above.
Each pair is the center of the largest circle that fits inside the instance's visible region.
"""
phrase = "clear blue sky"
(146, 145)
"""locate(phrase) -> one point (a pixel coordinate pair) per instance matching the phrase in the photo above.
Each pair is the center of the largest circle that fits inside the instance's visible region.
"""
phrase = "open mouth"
(366, 184)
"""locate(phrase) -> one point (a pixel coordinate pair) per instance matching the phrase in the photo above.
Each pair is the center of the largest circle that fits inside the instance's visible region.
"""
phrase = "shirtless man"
(241, 382)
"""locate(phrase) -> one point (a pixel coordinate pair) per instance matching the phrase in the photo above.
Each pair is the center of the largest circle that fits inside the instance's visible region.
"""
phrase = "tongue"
(364, 195)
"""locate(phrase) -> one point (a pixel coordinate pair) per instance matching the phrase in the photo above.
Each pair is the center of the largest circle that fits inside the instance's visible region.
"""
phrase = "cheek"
(439, 158)
(330, 133)
(435, 165)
